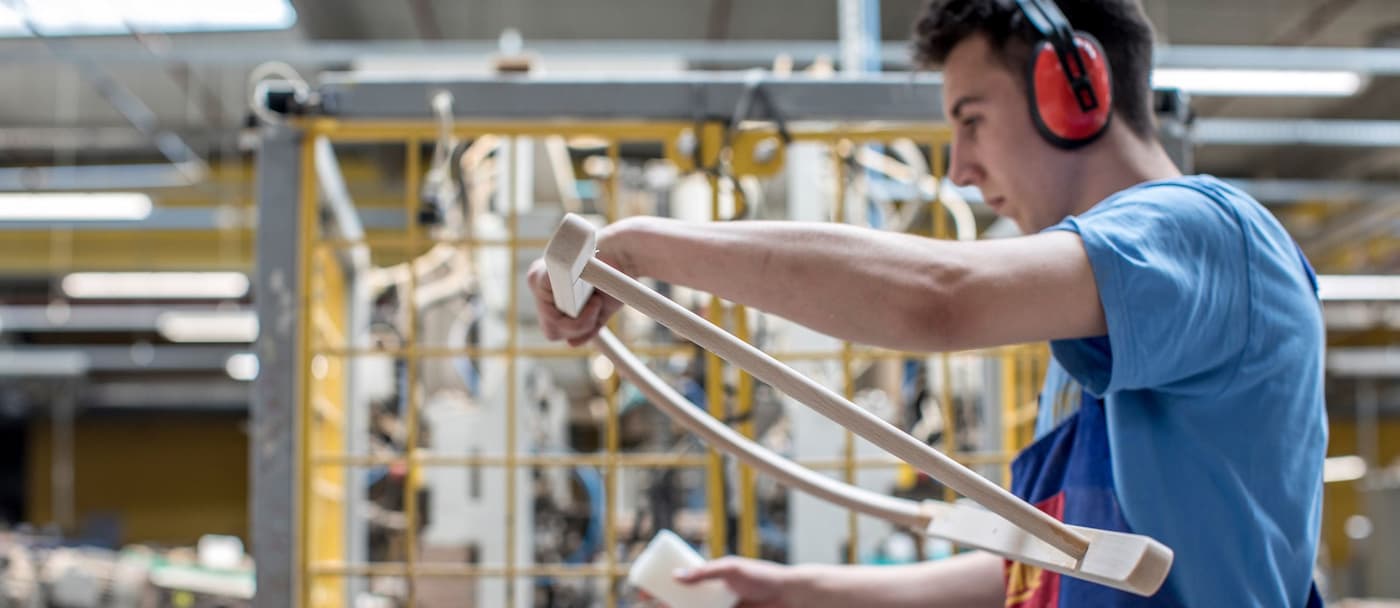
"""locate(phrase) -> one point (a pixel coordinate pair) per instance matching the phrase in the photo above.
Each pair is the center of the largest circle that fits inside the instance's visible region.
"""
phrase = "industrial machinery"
(418, 442)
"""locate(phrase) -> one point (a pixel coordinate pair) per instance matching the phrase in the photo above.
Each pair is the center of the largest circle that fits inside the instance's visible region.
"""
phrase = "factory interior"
(266, 337)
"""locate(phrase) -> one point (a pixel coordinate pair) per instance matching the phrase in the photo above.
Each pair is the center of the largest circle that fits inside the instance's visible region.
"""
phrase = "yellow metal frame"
(324, 346)
(324, 427)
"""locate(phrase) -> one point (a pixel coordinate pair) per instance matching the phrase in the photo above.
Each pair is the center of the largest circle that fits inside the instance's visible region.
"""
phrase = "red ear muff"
(1070, 116)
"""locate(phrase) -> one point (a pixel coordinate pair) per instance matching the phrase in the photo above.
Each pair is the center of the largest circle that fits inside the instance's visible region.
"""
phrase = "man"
(1185, 397)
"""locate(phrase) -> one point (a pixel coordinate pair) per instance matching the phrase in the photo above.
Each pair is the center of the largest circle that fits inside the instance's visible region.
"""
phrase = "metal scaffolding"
(304, 447)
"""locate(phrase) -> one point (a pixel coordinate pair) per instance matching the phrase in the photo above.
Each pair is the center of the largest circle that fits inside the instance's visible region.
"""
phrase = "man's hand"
(600, 306)
(758, 584)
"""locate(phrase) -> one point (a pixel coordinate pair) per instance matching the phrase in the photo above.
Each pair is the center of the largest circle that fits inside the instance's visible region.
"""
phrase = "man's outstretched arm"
(886, 289)
(970, 580)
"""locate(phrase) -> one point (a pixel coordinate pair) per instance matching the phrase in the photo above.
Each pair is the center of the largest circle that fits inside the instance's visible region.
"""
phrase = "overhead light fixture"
(75, 207)
(1264, 83)
(239, 326)
(1354, 287)
(156, 285)
(83, 18)
(1343, 468)
(242, 367)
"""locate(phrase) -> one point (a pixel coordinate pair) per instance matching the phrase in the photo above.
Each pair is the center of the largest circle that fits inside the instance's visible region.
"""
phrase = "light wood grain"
(829, 404)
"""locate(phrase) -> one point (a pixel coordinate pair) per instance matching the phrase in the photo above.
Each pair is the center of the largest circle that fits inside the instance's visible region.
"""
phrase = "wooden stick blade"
(570, 248)
(1130, 562)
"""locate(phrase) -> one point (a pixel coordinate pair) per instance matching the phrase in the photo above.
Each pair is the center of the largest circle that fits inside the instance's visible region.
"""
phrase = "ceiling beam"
(755, 53)
(203, 394)
(1296, 132)
(124, 358)
(94, 318)
(102, 177)
(681, 97)
(1276, 191)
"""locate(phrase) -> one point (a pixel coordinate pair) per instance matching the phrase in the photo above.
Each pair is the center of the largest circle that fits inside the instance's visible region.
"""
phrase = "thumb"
(721, 569)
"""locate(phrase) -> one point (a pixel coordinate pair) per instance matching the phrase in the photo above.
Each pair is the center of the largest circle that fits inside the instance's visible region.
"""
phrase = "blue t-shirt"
(1211, 376)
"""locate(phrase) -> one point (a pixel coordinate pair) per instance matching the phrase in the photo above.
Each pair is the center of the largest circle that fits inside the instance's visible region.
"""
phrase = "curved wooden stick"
(829, 404)
(1012, 528)
(895, 510)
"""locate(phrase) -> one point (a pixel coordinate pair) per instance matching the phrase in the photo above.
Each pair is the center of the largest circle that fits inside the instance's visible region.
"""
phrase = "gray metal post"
(1368, 580)
(61, 459)
(275, 424)
(1368, 425)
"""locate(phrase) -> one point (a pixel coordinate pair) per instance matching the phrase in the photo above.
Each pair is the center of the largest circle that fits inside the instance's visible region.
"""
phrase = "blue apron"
(1068, 474)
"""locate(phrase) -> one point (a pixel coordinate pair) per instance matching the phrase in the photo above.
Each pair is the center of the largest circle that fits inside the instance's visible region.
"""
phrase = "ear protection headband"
(1067, 78)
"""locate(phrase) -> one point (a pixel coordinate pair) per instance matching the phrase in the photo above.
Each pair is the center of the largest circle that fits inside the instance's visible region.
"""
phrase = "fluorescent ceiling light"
(1286, 83)
(86, 18)
(156, 285)
(242, 366)
(70, 207)
(1340, 287)
(1343, 468)
(211, 326)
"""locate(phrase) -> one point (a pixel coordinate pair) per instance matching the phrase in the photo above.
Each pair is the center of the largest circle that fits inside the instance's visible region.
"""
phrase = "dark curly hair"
(1119, 25)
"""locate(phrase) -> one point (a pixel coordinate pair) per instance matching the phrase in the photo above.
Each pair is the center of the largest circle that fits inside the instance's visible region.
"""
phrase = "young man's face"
(996, 146)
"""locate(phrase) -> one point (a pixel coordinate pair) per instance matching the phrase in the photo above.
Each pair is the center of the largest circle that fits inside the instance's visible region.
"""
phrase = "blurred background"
(260, 283)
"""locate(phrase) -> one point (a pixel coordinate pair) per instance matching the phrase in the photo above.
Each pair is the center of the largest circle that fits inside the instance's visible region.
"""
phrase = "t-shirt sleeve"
(1172, 273)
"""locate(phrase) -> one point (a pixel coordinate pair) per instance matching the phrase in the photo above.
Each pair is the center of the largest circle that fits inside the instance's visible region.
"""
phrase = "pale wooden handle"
(829, 404)
(895, 510)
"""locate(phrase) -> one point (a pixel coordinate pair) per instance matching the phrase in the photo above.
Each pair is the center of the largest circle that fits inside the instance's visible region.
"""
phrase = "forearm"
(878, 288)
(969, 580)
